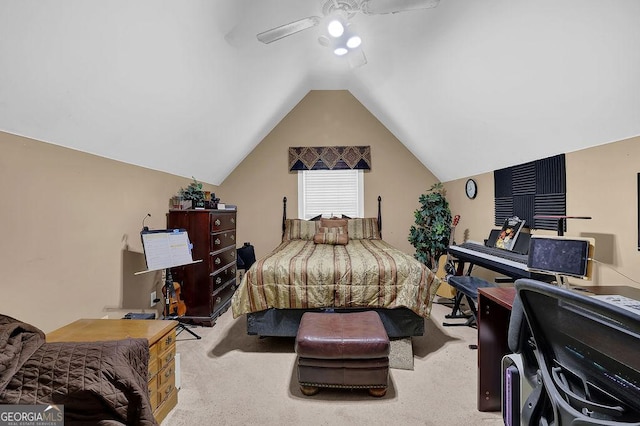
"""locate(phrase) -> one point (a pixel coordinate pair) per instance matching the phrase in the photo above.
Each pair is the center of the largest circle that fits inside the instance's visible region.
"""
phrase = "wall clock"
(471, 188)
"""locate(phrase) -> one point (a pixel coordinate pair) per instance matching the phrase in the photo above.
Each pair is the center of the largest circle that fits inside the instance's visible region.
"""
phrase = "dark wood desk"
(494, 312)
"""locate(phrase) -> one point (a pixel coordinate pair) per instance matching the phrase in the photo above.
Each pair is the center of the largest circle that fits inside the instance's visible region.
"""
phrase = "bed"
(311, 273)
(99, 383)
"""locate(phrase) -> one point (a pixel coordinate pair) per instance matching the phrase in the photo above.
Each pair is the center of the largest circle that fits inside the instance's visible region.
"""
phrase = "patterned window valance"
(329, 157)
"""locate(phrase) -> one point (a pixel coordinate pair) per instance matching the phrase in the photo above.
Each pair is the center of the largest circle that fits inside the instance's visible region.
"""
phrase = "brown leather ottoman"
(342, 350)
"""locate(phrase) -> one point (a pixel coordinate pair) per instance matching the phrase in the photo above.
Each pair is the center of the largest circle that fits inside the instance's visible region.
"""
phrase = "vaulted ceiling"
(185, 87)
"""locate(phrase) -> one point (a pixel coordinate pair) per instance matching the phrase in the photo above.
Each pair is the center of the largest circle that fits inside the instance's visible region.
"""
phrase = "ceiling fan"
(342, 11)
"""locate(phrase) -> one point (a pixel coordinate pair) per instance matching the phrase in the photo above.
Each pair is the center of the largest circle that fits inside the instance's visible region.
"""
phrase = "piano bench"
(467, 287)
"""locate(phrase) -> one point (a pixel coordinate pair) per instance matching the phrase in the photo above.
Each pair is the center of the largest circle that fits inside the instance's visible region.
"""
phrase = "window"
(330, 192)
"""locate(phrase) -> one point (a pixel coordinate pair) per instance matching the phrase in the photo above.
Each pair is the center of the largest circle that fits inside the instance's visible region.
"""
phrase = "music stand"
(165, 249)
(561, 220)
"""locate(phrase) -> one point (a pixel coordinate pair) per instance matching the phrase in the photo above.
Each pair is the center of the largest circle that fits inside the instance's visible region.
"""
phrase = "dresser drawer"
(223, 239)
(222, 296)
(221, 259)
(223, 221)
(222, 277)
(153, 351)
(166, 357)
(153, 366)
(165, 390)
(153, 393)
(163, 409)
(168, 374)
(167, 340)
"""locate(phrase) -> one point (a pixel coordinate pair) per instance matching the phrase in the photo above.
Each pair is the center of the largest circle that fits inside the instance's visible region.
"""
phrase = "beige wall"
(601, 183)
(71, 237)
(72, 220)
(325, 118)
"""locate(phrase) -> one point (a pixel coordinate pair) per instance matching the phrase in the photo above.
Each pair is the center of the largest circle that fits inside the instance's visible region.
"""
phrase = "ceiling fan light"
(335, 28)
(353, 42)
(340, 51)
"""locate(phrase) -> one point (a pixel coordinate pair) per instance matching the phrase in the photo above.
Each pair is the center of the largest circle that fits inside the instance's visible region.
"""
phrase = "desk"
(494, 312)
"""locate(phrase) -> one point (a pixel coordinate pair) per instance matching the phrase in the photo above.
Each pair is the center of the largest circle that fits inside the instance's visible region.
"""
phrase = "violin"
(175, 305)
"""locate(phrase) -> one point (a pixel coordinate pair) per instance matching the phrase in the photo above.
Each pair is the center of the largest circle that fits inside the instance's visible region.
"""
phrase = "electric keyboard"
(497, 252)
(505, 262)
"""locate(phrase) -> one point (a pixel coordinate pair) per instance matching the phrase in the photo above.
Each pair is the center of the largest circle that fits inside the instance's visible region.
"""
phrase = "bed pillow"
(334, 222)
(299, 229)
(363, 228)
(334, 236)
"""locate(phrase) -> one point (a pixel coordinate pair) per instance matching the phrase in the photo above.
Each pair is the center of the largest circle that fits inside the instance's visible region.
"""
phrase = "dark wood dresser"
(206, 287)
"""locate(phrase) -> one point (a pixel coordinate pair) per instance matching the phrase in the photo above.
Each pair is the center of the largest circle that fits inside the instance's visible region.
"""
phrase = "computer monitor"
(563, 256)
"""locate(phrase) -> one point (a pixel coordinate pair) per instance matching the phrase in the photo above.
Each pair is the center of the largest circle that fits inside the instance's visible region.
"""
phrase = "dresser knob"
(169, 340)
(233, 254)
(217, 261)
(217, 222)
(217, 241)
(218, 280)
(233, 220)
(233, 237)
(218, 299)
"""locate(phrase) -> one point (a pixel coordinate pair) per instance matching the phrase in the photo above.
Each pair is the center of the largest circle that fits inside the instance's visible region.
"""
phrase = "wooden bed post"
(284, 214)
(379, 216)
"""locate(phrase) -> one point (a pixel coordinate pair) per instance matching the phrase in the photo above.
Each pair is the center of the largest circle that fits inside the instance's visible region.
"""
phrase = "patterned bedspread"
(364, 273)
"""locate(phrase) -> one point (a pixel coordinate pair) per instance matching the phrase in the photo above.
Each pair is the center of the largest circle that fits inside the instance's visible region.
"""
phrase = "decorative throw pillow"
(334, 222)
(299, 229)
(337, 235)
(363, 228)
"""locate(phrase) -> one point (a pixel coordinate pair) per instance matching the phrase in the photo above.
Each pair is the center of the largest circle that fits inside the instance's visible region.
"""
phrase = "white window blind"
(330, 193)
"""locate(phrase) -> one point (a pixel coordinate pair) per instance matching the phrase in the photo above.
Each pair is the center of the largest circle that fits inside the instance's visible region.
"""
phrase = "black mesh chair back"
(588, 357)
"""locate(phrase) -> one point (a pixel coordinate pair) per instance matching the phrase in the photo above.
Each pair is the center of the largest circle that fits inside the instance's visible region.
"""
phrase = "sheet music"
(166, 249)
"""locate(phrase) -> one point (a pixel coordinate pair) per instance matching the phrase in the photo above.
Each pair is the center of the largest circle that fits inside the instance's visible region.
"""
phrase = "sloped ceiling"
(184, 86)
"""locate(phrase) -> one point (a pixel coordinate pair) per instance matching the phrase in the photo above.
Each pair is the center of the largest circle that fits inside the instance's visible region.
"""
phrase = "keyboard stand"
(466, 286)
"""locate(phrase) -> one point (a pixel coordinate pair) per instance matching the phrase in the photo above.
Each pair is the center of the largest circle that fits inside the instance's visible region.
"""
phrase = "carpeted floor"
(231, 378)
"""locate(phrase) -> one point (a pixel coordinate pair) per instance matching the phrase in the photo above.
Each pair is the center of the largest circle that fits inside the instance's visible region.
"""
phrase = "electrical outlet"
(153, 299)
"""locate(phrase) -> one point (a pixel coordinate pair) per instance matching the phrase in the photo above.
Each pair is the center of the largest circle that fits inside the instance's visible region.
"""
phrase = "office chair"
(581, 357)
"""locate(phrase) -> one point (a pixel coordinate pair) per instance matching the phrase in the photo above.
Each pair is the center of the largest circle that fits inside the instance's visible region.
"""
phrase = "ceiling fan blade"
(378, 7)
(356, 58)
(285, 30)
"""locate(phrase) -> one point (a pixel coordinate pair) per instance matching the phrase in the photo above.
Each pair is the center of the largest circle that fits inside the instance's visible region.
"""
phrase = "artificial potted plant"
(431, 233)
(194, 193)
